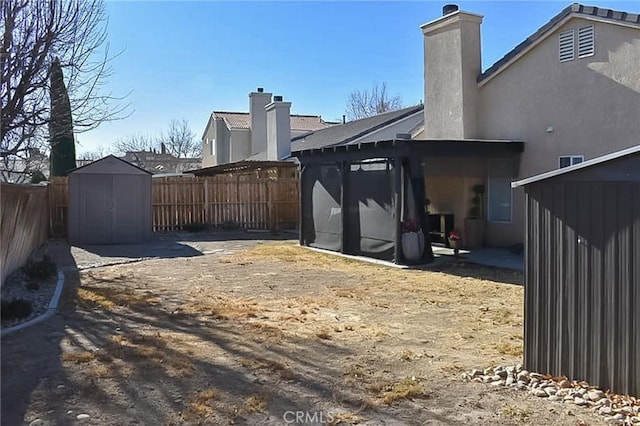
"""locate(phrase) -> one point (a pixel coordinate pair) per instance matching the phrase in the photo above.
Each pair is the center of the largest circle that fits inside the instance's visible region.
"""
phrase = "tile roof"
(242, 120)
(345, 133)
(575, 9)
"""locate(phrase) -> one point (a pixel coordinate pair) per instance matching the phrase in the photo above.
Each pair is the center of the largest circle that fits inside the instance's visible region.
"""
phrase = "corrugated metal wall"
(582, 310)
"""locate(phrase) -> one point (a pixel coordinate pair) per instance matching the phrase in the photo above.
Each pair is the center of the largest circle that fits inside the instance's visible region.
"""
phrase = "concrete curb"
(53, 305)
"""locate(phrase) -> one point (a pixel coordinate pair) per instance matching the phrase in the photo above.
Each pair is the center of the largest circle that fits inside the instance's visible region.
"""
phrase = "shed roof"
(589, 163)
(110, 165)
(573, 10)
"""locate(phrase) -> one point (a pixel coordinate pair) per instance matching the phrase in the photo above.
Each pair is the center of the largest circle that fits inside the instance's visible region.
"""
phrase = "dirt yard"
(269, 334)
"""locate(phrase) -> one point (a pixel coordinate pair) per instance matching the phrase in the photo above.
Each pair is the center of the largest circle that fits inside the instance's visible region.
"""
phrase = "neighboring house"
(21, 170)
(570, 91)
(237, 136)
(161, 162)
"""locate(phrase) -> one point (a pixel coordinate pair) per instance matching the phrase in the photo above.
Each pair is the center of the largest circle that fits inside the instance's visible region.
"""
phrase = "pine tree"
(63, 148)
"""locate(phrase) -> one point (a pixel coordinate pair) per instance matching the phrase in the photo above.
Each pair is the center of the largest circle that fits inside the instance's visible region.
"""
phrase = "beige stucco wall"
(208, 140)
(592, 104)
(240, 144)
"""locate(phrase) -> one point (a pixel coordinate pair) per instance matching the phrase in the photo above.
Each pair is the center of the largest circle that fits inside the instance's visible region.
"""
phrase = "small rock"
(82, 416)
(626, 410)
(539, 392)
(486, 379)
(498, 383)
(518, 367)
(582, 391)
(568, 398)
(60, 386)
(510, 369)
(565, 384)
(605, 411)
(521, 386)
(520, 382)
(595, 395)
(618, 419)
(487, 371)
(635, 419)
(70, 412)
(536, 376)
(549, 390)
(37, 422)
(554, 398)
(475, 373)
(605, 402)
(477, 379)
(579, 401)
(496, 377)
(510, 380)
(523, 375)
(534, 384)
(465, 376)
(501, 373)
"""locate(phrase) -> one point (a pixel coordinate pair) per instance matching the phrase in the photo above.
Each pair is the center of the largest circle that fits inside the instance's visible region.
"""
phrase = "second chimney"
(278, 129)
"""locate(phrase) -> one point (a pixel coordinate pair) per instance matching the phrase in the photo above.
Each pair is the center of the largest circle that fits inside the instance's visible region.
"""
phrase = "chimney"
(163, 148)
(278, 129)
(258, 116)
(452, 64)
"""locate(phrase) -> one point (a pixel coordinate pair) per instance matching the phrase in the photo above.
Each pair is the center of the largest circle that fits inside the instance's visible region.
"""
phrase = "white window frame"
(212, 148)
(573, 160)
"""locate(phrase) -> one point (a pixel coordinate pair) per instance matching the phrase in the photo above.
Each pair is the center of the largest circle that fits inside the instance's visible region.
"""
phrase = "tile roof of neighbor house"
(345, 133)
(242, 120)
(575, 9)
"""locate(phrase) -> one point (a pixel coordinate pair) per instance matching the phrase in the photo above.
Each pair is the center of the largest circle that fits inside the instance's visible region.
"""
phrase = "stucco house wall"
(240, 144)
(580, 107)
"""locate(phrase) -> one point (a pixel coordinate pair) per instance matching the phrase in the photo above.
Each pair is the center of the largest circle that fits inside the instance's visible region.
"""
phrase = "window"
(212, 147)
(499, 193)
(586, 42)
(570, 160)
(567, 43)
(567, 46)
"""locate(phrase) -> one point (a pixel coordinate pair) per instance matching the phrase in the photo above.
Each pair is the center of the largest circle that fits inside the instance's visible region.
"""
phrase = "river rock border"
(616, 409)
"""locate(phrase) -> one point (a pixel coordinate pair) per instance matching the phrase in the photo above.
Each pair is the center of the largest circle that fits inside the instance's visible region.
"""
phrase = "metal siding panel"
(589, 291)
(569, 257)
(96, 209)
(583, 304)
(634, 284)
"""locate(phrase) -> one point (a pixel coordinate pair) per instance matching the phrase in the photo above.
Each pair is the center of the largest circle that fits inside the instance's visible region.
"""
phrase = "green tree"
(63, 148)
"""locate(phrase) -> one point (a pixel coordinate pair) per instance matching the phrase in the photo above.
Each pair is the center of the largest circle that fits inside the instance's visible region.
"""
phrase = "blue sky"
(186, 59)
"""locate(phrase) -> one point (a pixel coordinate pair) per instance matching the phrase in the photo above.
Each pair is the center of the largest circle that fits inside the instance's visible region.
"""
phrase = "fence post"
(206, 200)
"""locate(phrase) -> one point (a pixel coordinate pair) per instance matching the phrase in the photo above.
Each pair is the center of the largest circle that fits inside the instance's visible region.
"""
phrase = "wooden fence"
(24, 224)
(260, 199)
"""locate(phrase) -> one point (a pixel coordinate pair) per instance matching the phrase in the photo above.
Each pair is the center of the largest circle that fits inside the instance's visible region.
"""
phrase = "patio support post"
(419, 194)
(301, 226)
(397, 167)
(345, 170)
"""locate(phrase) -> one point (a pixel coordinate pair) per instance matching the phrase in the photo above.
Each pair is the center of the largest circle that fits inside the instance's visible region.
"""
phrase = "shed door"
(129, 225)
(98, 208)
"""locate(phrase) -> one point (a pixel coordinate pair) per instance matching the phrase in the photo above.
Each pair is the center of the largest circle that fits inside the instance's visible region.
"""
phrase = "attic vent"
(586, 42)
(567, 46)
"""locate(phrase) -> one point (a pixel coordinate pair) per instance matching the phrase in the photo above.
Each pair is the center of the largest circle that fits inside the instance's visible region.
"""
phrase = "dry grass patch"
(200, 406)
(222, 308)
(78, 357)
(509, 348)
(345, 419)
(354, 373)
(100, 372)
(520, 414)
(405, 389)
(255, 404)
(271, 366)
(108, 297)
(265, 332)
